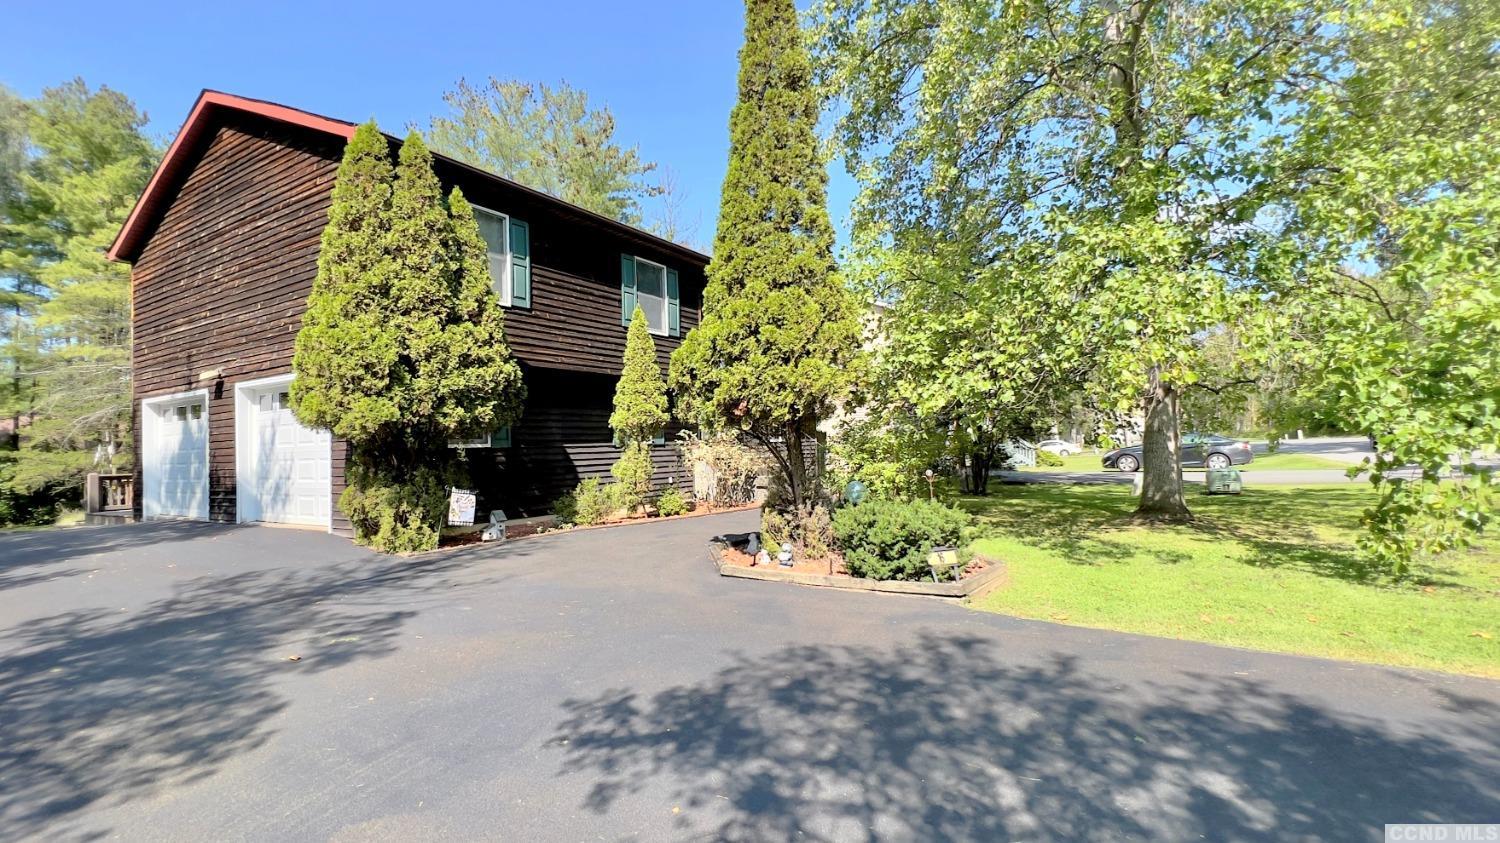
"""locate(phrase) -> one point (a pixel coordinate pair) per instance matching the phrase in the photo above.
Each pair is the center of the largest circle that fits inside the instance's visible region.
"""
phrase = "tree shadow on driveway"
(941, 740)
(100, 706)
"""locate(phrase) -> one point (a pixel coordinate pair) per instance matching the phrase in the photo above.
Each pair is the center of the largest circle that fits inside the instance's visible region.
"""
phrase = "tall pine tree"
(402, 346)
(773, 350)
(74, 161)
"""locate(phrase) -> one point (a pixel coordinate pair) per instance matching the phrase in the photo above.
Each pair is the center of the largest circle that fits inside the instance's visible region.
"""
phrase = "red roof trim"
(162, 181)
(129, 241)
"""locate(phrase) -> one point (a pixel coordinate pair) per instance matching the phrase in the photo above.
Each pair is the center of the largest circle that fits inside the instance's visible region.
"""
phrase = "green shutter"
(674, 311)
(520, 264)
(500, 438)
(627, 289)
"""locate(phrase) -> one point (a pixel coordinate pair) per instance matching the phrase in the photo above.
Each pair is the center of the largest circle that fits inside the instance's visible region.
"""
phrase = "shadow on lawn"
(944, 740)
(1278, 529)
(101, 706)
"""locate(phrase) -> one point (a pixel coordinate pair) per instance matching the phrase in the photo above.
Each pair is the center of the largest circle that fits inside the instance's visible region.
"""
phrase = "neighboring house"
(224, 246)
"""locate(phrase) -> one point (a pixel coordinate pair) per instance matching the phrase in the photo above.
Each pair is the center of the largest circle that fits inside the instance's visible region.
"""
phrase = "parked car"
(1061, 447)
(1198, 449)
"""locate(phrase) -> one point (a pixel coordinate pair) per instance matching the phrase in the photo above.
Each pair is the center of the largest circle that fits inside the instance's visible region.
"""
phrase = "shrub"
(890, 540)
(565, 509)
(775, 529)
(632, 472)
(1049, 459)
(671, 502)
(396, 515)
(808, 529)
(887, 452)
(724, 467)
(593, 502)
(814, 529)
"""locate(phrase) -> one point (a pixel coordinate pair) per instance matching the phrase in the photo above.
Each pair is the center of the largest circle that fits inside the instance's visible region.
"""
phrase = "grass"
(1272, 569)
(1262, 462)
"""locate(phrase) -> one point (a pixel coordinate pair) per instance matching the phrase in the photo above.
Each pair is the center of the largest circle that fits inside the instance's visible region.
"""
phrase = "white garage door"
(290, 482)
(175, 470)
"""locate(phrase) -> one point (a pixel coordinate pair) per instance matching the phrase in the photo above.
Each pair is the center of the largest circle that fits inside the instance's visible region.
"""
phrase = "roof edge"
(127, 243)
(209, 101)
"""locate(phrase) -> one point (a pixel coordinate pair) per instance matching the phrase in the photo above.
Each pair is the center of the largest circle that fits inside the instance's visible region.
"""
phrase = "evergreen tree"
(345, 360)
(640, 412)
(402, 346)
(779, 331)
(74, 159)
(547, 138)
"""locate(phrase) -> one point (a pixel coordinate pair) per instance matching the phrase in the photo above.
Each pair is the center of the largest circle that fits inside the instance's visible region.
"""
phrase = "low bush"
(671, 503)
(593, 502)
(1048, 459)
(632, 473)
(890, 540)
(565, 510)
(396, 515)
(724, 467)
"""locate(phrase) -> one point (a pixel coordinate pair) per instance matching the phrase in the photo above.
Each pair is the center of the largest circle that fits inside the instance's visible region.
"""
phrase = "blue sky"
(666, 68)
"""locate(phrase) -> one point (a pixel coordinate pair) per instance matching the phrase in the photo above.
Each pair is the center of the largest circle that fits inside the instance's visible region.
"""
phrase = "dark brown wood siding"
(563, 437)
(223, 280)
(574, 319)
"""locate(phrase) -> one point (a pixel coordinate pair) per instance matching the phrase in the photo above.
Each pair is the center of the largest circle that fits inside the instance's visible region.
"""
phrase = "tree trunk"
(796, 464)
(1161, 446)
(980, 462)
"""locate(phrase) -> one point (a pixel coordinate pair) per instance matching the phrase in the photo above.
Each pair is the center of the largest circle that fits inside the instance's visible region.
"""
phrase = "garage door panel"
(289, 481)
(175, 473)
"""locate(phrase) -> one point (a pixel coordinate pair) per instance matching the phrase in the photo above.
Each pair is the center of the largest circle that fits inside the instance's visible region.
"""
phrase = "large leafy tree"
(773, 349)
(402, 346)
(76, 159)
(1098, 171)
(547, 138)
(1402, 234)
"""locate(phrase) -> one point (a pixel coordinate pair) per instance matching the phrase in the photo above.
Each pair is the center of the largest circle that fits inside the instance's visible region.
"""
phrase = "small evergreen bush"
(565, 510)
(671, 503)
(890, 540)
(593, 502)
(632, 472)
(1048, 459)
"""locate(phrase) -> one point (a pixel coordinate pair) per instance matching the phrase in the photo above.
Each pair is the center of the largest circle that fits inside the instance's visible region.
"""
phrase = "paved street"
(1350, 450)
(201, 682)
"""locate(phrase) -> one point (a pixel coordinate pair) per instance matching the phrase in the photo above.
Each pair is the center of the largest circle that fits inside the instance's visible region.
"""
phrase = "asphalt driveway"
(196, 682)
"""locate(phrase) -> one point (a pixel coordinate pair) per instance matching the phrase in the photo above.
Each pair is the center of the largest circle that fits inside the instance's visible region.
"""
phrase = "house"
(224, 248)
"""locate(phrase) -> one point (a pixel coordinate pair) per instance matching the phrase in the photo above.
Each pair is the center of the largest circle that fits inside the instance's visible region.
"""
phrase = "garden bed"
(980, 575)
(544, 524)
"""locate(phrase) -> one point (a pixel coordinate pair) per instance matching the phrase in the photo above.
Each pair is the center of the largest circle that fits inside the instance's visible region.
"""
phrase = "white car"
(1060, 447)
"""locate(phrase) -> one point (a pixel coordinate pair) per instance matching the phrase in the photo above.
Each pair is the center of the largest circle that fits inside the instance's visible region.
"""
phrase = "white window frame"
(478, 441)
(666, 328)
(505, 283)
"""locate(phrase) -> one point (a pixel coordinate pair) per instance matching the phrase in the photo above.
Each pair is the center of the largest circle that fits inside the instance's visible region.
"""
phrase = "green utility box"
(1222, 481)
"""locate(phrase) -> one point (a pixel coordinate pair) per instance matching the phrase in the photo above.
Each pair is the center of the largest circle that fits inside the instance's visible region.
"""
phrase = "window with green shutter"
(508, 246)
(520, 263)
(656, 289)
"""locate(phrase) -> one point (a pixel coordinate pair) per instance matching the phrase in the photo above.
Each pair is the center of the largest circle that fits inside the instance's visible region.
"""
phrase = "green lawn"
(1272, 569)
(1269, 462)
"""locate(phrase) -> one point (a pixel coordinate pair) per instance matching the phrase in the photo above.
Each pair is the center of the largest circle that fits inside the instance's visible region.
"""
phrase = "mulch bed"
(739, 558)
(521, 531)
